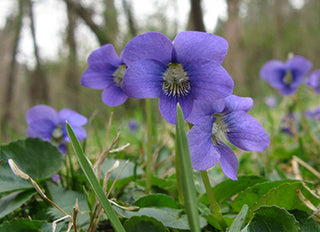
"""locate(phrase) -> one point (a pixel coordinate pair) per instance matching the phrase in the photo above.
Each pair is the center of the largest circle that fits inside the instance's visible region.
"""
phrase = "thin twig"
(108, 174)
(155, 157)
(98, 211)
(105, 141)
(18, 172)
(115, 180)
(119, 148)
(75, 214)
(123, 207)
(54, 223)
(108, 131)
(296, 171)
(307, 166)
(103, 156)
(306, 201)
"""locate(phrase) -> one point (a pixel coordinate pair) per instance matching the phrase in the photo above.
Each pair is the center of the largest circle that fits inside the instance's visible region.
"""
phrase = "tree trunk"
(111, 22)
(86, 15)
(196, 16)
(39, 90)
(131, 22)
(279, 18)
(72, 73)
(12, 71)
(233, 34)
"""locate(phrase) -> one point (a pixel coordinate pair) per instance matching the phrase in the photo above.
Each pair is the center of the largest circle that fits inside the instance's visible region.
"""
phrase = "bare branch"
(86, 14)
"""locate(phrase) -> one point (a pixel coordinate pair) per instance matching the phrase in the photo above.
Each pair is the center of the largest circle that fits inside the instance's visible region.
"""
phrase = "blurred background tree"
(256, 30)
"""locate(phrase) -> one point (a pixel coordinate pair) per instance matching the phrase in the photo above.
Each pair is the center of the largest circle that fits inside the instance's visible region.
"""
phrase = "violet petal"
(73, 118)
(245, 132)
(150, 45)
(42, 112)
(200, 45)
(144, 79)
(236, 103)
(228, 162)
(209, 80)
(113, 96)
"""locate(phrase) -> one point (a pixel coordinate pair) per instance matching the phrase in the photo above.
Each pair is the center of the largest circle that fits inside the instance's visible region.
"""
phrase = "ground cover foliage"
(144, 177)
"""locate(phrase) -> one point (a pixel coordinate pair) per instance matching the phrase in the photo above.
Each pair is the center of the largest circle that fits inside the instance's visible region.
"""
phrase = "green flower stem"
(67, 181)
(149, 145)
(215, 207)
(70, 165)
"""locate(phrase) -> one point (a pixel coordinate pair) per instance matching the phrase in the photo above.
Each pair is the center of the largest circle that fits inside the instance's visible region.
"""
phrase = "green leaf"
(143, 224)
(285, 196)
(171, 218)
(86, 168)
(252, 194)
(238, 221)
(66, 199)
(270, 219)
(9, 181)
(226, 189)
(184, 173)
(307, 224)
(157, 200)
(11, 202)
(168, 183)
(25, 225)
(38, 158)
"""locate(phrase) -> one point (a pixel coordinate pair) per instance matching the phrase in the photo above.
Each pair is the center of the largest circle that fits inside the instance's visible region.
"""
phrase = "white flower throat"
(219, 131)
(119, 74)
(175, 81)
(288, 79)
(57, 135)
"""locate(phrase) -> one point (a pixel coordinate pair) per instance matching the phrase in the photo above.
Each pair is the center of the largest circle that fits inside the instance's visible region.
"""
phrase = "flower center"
(57, 135)
(175, 81)
(219, 131)
(288, 79)
(118, 75)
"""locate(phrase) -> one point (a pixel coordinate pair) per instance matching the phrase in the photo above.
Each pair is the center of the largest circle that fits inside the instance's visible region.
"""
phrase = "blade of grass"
(214, 206)
(86, 168)
(184, 173)
(149, 145)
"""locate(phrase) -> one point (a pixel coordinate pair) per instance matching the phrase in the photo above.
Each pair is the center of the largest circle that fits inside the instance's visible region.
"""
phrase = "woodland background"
(257, 31)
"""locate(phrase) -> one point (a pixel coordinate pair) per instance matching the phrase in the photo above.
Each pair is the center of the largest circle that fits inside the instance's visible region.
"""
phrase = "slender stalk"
(68, 178)
(70, 165)
(215, 208)
(149, 145)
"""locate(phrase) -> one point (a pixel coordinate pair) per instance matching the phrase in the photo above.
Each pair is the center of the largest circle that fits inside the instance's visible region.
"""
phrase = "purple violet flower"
(133, 126)
(271, 101)
(44, 122)
(288, 124)
(314, 81)
(105, 71)
(223, 120)
(56, 178)
(286, 77)
(313, 114)
(185, 70)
